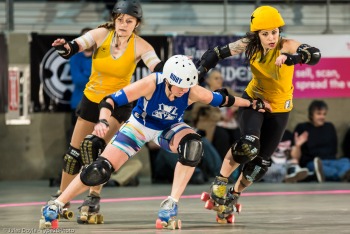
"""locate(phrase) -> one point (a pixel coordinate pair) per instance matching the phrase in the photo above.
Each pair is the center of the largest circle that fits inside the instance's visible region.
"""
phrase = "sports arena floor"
(266, 208)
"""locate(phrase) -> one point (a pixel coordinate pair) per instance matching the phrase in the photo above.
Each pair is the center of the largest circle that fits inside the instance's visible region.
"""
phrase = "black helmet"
(130, 7)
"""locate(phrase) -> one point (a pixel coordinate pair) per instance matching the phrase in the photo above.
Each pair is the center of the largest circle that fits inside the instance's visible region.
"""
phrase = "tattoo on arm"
(238, 47)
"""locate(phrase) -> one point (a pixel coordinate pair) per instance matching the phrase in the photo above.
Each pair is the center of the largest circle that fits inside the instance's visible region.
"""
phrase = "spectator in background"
(218, 125)
(283, 169)
(80, 69)
(319, 151)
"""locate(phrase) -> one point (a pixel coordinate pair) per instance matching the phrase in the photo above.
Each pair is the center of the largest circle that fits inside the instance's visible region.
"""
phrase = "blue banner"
(235, 69)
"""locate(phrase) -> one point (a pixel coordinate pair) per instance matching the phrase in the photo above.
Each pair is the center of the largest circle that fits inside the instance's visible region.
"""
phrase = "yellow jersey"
(108, 74)
(270, 82)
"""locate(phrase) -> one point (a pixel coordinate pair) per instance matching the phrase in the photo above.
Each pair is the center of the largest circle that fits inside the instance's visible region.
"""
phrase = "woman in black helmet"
(117, 50)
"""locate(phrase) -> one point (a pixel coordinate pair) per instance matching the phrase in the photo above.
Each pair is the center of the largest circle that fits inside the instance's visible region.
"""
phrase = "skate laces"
(168, 204)
(52, 205)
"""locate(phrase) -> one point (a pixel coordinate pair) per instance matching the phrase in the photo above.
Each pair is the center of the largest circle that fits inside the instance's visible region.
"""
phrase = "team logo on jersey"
(165, 112)
(176, 79)
(55, 77)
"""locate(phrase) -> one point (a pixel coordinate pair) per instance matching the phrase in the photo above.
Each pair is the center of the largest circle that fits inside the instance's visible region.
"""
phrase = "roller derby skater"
(157, 116)
(167, 215)
(272, 59)
(109, 75)
(90, 210)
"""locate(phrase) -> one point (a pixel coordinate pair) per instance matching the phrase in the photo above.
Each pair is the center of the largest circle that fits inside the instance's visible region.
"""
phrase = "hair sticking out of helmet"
(180, 71)
(129, 7)
(264, 18)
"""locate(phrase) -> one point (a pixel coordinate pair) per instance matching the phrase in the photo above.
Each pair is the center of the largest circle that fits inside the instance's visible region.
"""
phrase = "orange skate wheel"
(159, 224)
(221, 221)
(205, 196)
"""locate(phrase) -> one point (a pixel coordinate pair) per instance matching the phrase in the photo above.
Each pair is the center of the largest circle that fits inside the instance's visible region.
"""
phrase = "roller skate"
(231, 205)
(50, 214)
(167, 215)
(66, 213)
(90, 210)
(215, 200)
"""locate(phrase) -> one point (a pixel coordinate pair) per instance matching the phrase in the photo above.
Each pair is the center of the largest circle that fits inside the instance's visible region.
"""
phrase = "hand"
(60, 41)
(280, 60)
(101, 128)
(261, 105)
(299, 140)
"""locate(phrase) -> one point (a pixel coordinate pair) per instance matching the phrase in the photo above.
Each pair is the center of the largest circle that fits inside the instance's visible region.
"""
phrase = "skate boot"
(215, 200)
(231, 205)
(50, 213)
(66, 213)
(90, 210)
(167, 215)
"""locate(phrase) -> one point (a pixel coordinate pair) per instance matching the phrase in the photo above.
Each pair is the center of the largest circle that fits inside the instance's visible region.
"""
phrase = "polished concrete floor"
(266, 208)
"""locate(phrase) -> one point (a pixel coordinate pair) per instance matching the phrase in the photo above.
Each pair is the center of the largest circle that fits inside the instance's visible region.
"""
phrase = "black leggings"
(269, 127)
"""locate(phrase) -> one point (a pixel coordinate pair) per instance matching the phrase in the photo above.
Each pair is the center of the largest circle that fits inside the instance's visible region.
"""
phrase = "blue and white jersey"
(159, 112)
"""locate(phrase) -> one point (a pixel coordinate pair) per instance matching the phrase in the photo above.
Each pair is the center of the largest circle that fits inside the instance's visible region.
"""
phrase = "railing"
(182, 17)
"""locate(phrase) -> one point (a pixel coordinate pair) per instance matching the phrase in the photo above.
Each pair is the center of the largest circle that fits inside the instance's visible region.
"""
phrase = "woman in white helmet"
(158, 116)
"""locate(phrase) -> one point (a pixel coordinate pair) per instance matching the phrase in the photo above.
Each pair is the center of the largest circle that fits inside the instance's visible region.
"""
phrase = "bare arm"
(238, 46)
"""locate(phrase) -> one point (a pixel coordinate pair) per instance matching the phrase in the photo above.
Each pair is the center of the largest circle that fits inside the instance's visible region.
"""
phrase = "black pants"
(269, 127)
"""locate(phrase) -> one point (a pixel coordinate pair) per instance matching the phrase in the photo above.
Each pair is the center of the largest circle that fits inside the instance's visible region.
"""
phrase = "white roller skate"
(167, 215)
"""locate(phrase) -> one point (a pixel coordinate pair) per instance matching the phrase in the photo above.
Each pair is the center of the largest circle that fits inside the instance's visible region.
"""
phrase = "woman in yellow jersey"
(272, 59)
(117, 50)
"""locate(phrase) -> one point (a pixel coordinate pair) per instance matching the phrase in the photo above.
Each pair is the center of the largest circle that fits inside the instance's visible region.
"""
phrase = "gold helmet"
(265, 17)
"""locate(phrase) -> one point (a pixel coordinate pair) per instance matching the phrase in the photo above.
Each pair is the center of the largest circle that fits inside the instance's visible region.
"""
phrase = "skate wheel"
(178, 224)
(230, 218)
(68, 214)
(92, 219)
(100, 219)
(205, 196)
(209, 205)
(79, 221)
(171, 224)
(159, 224)
(54, 224)
(42, 224)
(221, 221)
(83, 217)
(239, 208)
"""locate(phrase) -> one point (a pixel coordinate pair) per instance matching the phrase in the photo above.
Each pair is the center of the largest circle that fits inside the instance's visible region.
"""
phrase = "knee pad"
(245, 149)
(91, 147)
(256, 169)
(97, 172)
(190, 149)
(72, 161)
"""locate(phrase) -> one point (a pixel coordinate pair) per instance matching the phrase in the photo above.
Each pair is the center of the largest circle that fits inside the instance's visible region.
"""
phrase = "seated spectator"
(219, 126)
(318, 152)
(346, 144)
(283, 168)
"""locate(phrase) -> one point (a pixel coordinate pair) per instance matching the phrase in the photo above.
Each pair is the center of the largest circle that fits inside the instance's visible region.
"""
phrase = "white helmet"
(180, 71)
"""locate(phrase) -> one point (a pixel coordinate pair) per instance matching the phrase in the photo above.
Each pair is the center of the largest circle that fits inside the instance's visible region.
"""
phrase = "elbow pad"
(223, 51)
(159, 67)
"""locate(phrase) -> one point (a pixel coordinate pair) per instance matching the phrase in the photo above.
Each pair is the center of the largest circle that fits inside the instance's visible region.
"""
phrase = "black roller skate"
(90, 210)
(66, 213)
(216, 199)
(167, 215)
(231, 205)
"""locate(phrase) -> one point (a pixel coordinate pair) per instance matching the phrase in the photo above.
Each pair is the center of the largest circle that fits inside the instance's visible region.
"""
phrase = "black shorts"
(269, 127)
(89, 111)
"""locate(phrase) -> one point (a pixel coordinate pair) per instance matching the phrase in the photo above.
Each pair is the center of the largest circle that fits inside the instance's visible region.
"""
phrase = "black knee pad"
(190, 150)
(256, 169)
(72, 161)
(245, 149)
(91, 147)
(97, 172)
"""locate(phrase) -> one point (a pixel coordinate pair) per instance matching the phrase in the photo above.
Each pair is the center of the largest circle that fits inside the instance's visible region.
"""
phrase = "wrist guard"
(222, 52)
(224, 93)
(292, 59)
(66, 54)
(259, 104)
(104, 121)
